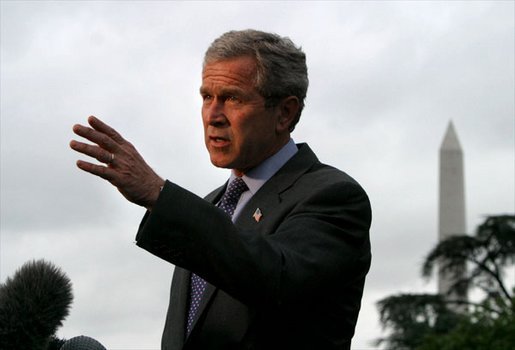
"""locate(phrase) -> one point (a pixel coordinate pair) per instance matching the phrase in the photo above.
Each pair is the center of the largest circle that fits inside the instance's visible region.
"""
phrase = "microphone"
(33, 304)
(82, 343)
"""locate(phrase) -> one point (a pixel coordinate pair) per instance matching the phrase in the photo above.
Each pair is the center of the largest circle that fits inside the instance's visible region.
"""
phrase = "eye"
(233, 99)
(206, 97)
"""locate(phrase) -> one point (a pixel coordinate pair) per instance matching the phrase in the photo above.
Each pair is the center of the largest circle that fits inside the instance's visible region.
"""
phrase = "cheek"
(203, 118)
(245, 134)
(251, 131)
(251, 143)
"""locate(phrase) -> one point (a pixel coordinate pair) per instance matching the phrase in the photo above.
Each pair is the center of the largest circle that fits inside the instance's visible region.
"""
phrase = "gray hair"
(281, 66)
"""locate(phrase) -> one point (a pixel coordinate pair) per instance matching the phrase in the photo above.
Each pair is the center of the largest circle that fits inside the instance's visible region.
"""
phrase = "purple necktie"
(197, 284)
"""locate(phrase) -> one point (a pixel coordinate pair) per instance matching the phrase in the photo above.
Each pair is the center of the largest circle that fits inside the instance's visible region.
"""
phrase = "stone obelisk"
(451, 206)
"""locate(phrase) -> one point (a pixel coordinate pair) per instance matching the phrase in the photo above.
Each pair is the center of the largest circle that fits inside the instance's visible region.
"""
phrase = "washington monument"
(452, 205)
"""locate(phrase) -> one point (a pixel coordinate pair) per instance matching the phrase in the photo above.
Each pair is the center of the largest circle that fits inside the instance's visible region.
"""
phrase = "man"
(281, 265)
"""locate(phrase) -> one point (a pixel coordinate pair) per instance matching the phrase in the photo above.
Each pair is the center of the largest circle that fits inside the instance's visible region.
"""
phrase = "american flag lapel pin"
(257, 215)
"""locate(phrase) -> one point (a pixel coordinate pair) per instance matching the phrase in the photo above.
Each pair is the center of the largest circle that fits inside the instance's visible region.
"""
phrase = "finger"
(99, 125)
(93, 151)
(98, 170)
(97, 137)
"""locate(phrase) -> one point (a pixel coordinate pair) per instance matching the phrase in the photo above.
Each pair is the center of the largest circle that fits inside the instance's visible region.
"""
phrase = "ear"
(287, 109)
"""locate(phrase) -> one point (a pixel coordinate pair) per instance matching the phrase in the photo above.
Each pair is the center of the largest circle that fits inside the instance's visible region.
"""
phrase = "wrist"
(157, 188)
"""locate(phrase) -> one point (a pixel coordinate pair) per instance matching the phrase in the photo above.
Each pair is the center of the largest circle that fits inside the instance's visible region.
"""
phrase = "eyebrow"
(224, 91)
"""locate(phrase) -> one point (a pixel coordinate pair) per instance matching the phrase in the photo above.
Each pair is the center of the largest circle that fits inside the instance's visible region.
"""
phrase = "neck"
(277, 149)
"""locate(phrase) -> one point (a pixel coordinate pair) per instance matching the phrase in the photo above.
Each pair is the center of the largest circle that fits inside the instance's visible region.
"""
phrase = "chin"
(221, 159)
(220, 163)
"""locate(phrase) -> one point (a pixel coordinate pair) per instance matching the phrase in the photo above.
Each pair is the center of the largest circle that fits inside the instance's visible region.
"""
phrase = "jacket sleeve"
(320, 244)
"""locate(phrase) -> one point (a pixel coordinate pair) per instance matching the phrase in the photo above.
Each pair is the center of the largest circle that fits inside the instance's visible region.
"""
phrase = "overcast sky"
(385, 80)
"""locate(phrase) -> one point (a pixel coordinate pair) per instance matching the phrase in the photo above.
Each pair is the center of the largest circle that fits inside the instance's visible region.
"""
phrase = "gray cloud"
(385, 79)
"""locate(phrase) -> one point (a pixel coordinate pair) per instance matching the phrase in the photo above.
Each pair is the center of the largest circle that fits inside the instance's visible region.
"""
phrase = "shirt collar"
(257, 177)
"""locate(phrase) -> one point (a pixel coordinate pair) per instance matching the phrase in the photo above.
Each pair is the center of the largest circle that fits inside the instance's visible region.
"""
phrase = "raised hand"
(125, 168)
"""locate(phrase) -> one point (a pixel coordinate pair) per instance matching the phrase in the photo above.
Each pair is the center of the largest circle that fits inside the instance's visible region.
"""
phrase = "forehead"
(238, 72)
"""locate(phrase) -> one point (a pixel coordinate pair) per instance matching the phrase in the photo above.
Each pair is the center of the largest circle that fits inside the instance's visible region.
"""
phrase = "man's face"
(239, 131)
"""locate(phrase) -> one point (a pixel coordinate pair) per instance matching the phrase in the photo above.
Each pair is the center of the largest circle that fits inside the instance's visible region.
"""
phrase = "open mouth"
(218, 141)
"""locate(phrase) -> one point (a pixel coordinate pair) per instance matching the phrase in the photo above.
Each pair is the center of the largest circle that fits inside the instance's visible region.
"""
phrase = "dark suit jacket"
(293, 280)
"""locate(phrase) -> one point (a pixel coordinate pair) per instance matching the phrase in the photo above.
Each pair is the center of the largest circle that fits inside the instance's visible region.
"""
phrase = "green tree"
(412, 316)
(428, 322)
(479, 332)
(488, 253)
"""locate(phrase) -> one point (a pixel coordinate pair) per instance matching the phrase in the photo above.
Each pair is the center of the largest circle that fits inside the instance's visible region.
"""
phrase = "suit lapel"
(175, 328)
(215, 195)
(210, 290)
(209, 293)
(269, 196)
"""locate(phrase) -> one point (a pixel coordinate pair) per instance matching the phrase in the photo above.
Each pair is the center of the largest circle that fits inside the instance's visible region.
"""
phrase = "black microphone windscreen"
(33, 304)
(82, 343)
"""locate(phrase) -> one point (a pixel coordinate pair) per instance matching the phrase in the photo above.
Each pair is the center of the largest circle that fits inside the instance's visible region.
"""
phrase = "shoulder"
(315, 176)
(327, 184)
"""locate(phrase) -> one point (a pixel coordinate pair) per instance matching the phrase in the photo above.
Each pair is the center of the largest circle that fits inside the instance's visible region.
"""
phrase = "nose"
(214, 113)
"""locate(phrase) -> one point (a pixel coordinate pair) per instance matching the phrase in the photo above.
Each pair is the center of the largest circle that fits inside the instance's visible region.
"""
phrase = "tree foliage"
(476, 333)
(487, 254)
(408, 316)
(429, 322)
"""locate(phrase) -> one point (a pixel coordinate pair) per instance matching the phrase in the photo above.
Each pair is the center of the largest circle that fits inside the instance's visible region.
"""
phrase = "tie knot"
(237, 186)
(232, 195)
